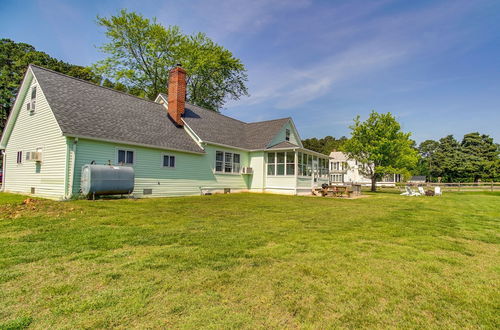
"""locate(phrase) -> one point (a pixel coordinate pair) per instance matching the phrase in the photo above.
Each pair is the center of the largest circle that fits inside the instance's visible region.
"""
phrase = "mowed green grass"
(251, 261)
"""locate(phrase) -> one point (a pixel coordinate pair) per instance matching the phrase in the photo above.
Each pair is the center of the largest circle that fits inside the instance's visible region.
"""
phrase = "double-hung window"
(271, 163)
(290, 163)
(227, 162)
(280, 163)
(125, 157)
(287, 134)
(168, 161)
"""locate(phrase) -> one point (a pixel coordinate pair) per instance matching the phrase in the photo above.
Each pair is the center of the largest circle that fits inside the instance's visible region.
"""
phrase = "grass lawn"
(251, 261)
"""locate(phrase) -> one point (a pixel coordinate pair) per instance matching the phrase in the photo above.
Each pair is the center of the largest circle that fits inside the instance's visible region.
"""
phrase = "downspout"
(264, 171)
(71, 163)
(75, 141)
(4, 162)
(296, 168)
(66, 174)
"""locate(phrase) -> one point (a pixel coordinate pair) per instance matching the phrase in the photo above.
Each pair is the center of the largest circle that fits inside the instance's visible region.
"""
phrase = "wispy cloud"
(366, 46)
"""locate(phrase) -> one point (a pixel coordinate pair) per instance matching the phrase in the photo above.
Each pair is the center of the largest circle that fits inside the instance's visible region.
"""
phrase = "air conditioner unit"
(246, 170)
(34, 156)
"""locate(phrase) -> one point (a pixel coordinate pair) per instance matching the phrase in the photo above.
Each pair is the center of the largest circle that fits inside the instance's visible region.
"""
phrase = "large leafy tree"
(14, 60)
(140, 53)
(380, 143)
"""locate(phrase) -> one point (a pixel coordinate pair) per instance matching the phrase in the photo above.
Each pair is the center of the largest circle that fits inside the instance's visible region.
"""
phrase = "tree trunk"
(374, 183)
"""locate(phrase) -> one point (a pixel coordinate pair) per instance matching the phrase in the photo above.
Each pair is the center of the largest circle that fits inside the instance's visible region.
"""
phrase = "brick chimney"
(177, 94)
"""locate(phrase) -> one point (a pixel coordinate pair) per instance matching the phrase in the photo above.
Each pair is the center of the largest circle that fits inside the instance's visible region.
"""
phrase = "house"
(60, 123)
(342, 169)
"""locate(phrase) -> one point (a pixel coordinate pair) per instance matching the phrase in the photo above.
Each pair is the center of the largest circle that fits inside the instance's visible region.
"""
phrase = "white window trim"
(162, 163)
(276, 164)
(224, 163)
(23, 154)
(30, 100)
(126, 149)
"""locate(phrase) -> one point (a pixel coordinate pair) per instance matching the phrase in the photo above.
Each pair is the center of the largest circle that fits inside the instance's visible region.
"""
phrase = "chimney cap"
(178, 65)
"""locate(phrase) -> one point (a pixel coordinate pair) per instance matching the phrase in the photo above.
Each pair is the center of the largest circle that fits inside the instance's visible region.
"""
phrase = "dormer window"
(287, 134)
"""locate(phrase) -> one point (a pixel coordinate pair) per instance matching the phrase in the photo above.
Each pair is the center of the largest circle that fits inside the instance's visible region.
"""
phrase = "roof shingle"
(84, 109)
(214, 127)
(87, 110)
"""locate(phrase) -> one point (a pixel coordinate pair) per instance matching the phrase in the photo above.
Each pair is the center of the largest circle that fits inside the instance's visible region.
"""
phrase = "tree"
(14, 60)
(379, 143)
(427, 165)
(480, 157)
(448, 159)
(141, 53)
(324, 145)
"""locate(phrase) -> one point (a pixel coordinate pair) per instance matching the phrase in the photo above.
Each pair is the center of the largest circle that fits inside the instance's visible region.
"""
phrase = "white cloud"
(366, 45)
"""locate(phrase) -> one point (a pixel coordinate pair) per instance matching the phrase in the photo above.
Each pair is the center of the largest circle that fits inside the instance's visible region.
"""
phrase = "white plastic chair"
(421, 190)
(409, 192)
(437, 191)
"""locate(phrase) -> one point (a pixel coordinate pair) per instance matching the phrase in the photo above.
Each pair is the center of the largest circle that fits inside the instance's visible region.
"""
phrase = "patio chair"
(421, 191)
(407, 192)
(437, 191)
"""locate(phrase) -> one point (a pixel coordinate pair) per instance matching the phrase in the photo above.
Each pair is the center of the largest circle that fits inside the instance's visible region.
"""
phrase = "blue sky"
(434, 64)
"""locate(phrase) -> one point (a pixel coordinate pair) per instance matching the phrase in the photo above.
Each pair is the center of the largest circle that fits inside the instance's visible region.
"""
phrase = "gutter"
(132, 144)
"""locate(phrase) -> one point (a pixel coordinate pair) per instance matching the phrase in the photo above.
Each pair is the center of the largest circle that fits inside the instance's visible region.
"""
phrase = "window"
(219, 159)
(290, 163)
(300, 166)
(168, 161)
(309, 165)
(271, 165)
(281, 163)
(227, 162)
(287, 134)
(323, 167)
(236, 163)
(19, 157)
(337, 178)
(125, 157)
(33, 98)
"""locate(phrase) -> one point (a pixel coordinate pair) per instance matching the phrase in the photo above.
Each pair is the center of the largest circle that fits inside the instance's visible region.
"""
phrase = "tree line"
(474, 158)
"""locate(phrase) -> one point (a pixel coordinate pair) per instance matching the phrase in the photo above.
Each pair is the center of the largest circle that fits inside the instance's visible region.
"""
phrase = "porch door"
(315, 172)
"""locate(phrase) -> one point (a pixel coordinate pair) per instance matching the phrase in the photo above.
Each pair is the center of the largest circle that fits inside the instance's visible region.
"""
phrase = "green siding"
(281, 136)
(256, 180)
(192, 171)
(32, 131)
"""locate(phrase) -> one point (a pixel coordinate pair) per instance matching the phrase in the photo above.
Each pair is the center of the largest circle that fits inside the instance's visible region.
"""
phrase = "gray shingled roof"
(88, 110)
(84, 109)
(213, 127)
(284, 144)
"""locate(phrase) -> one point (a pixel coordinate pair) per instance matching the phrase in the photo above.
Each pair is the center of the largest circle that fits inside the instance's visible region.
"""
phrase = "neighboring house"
(345, 170)
(417, 179)
(59, 123)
